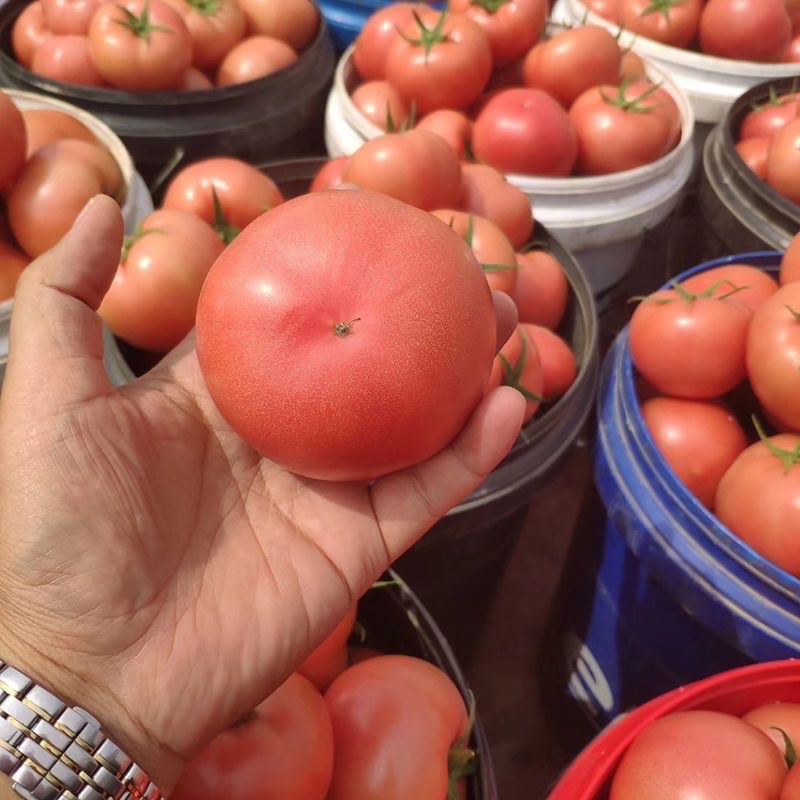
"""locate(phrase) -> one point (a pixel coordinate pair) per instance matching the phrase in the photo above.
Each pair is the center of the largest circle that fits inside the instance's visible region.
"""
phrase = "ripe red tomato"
(396, 723)
(331, 658)
(140, 45)
(518, 365)
(381, 104)
(12, 262)
(490, 245)
(631, 68)
(243, 193)
(690, 346)
(284, 751)
(66, 59)
(295, 22)
(773, 356)
(699, 439)
(215, 26)
(759, 500)
(513, 26)
(417, 167)
(754, 154)
(12, 153)
(608, 9)
(572, 62)
(542, 290)
(64, 17)
(44, 127)
(441, 61)
(699, 754)
(770, 117)
(454, 127)
(153, 298)
(754, 286)
(525, 131)
(253, 58)
(486, 192)
(658, 100)
(372, 45)
(672, 22)
(790, 264)
(194, 81)
(330, 175)
(364, 305)
(752, 30)
(791, 787)
(559, 367)
(29, 32)
(783, 161)
(785, 716)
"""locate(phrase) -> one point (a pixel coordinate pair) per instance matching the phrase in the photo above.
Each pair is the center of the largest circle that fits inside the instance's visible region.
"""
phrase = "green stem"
(492, 6)
(462, 760)
(662, 7)
(428, 37)
(789, 753)
(224, 229)
(790, 458)
(140, 26)
(512, 373)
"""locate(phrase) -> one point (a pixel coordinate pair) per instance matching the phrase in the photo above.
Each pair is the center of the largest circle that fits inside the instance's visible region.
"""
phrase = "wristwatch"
(55, 752)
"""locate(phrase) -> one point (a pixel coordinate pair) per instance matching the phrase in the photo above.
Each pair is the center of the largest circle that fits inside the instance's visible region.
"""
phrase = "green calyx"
(492, 6)
(690, 297)
(140, 26)
(795, 314)
(129, 241)
(469, 237)
(222, 227)
(790, 458)
(512, 373)
(462, 761)
(773, 101)
(208, 8)
(661, 7)
(407, 124)
(428, 37)
(634, 106)
(789, 753)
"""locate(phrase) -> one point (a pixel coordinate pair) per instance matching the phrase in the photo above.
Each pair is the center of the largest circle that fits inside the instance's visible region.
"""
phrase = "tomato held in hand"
(44, 127)
(215, 26)
(751, 30)
(330, 659)
(254, 58)
(12, 262)
(66, 59)
(559, 367)
(330, 175)
(773, 718)
(29, 32)
(397, 721)
(518, 365)
(770, 117)
(754, 153)
(12, 153)
(672, 22)
(359, 313)
(153, 298)
(790, 263)
(65, 17)
(292, 21)
(783, 161)
(381, 104)
(454, 127)
(542, 289)
(283, 751)
(752, 285)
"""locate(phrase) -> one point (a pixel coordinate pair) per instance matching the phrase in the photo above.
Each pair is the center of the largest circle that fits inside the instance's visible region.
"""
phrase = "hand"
(154, 569)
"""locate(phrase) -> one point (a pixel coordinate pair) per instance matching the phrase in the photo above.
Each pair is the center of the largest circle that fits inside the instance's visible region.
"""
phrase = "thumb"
(56, 339)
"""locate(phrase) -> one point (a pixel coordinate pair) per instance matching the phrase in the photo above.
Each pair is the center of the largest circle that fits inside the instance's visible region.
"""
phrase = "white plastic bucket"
(712, 84)
(602, 220)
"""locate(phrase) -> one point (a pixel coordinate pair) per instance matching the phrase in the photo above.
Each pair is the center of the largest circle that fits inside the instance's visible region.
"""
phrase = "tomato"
(790, 263)
(542, 289)
(454, 127)
(490, 245)
(153, 298)
(12, 153)
(64, 17)
(140, 45)
(396, 723)
(44, 127)
(783, 161)
(295, 22)
(525, 131)
(759, 500)
(512, 26)
(572, 62)
(754, 154)
(417, 167)
(363, 304)
(658, 100)
(194, 81)
(372, 45)
(66, 59)
(754, 286)
(96, 157)
(243, 192)
(615, 132)
(792, 54)
(255, 58)
(770, 117)
(331, 658)
(752, 30)
(672, 22)
(215, 27)
(791, 787)
(559, 367)
(785, 716)
(699, 439)
(608, 9)
(519, 365)
(691, 346)
(703, 755)
(486, 192)
(29, 32)
(442, 61)
(631, 68)
(773, 356)
(331, 174)
(381, 104)
(283, 751)
(12, 262)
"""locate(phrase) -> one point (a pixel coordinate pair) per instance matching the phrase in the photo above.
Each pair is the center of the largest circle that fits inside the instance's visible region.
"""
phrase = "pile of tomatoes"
(747, 30)
(480, 75)
(156, 45)
(768, 143)
(729, 338)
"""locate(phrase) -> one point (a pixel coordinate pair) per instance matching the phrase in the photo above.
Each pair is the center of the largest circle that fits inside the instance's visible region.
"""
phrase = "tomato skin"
(699, 754)
(608, 9)
(330, 175)
(783, 161)
(152, 300)
(755, 285)
(396, 270)
(791, 787)
(29, 32)
(284, 753)
(255, 58)
(752, 30)
(770, 118)
(379, 101)
(96, 158)
(559, 368)
(754, 153)
(214, 28)
(785, 716)
(243, 192)
(454, 127)
(132, 62)
(525, 131)
(12, 262)
(512, 28)
(676, 26)
(394, 721)
(417, 167)
(661, 103)
(64, 17)
(531, 378)
(295, 22)
(572, 62)
(67, 59)
(12, 154)
(790, 263)
(542, 289)
(331, 658)
(773, 356)
(195, 81)
(44, 127)
(631, 68)
(452, 74)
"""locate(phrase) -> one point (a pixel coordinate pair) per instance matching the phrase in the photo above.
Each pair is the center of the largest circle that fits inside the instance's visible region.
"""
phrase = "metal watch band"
(54, 752)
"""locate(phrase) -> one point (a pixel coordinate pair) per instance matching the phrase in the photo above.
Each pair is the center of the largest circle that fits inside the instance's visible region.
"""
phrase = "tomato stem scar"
(344, 328)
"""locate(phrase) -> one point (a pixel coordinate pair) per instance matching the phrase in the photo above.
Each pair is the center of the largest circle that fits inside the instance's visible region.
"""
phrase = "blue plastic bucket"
(660, 593)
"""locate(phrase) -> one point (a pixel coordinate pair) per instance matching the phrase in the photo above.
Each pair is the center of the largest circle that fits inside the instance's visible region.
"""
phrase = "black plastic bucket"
(273, 117)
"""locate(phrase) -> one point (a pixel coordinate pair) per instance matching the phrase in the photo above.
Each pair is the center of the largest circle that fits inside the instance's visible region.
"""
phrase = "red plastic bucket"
(735, 692)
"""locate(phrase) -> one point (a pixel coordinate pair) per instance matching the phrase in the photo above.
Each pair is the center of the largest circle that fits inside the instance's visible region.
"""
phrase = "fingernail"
(84, 211)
